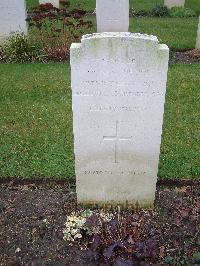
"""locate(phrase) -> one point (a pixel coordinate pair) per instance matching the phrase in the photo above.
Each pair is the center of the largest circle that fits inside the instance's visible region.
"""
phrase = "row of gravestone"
(13, 16)
(168, 3)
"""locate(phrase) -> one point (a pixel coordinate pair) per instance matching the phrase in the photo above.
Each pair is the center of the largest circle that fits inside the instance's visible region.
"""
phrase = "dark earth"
(185, 57)
(32, 217)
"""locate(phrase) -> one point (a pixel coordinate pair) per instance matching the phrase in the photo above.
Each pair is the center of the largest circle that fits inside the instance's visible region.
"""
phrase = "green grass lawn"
(31, 3)
(168, 30)
(193, 4)
(36, 122)
(175, 32)
(137, 4)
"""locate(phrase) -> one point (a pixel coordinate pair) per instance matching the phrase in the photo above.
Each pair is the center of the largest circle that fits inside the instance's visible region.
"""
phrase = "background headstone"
(118, 86)
(12, 17)
(53, 2)
(112, 15)
(198, 36)
(172, 3)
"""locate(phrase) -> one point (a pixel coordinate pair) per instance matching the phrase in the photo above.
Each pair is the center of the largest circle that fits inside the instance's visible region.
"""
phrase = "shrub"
(52, 30)
(2, 56)
(197, 258)
(123, 241)
(138, 13)
(159, 11)
(57, 53)
(55, 29)
(181, 12)
(65, 3)
(18, 49)
(169, 260)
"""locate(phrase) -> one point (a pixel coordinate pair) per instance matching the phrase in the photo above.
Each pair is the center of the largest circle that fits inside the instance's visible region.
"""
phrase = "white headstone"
(173, 3)
(53, 2)
(198, 36)
(12, 17)
(112, 15)
(118, 87)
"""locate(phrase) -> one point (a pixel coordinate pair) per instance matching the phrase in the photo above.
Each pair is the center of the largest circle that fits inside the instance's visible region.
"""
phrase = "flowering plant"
(54, 29)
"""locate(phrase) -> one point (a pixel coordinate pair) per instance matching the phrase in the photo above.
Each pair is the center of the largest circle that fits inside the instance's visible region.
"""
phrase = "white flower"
(78, 236)
(77, 222)
(74, 231)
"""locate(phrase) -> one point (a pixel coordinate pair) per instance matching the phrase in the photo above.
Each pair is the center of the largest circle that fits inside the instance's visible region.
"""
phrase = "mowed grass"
(36, 122)
(178, 34)
(193, 4)
(136, 4)
(180, 149)
(32, 3)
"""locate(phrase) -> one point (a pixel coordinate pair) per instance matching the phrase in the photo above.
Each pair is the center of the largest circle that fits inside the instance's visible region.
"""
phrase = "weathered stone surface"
(198, 36)
(53, 2)
(112, 15)
(172, 3)
(12, 17)
(118, 86)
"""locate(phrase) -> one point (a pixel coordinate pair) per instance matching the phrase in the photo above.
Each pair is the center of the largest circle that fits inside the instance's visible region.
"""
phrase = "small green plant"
(181, 12)
(159, 11)
(197, 258)
(169, 260)
(18, 49)
(2, 55)
(184, 260)
(138, 13)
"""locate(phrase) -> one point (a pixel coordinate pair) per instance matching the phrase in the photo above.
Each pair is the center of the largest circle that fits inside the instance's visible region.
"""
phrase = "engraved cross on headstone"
(112, 15)
(116, 138)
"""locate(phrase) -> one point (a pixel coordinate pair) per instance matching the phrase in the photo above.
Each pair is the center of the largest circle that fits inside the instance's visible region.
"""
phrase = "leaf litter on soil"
(32, 219)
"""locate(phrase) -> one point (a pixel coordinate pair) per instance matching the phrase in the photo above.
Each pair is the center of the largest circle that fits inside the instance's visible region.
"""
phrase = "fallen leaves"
(32, 219)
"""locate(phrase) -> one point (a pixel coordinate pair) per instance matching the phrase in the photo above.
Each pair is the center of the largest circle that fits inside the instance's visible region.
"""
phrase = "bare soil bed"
(32, 218)
(185, 57)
